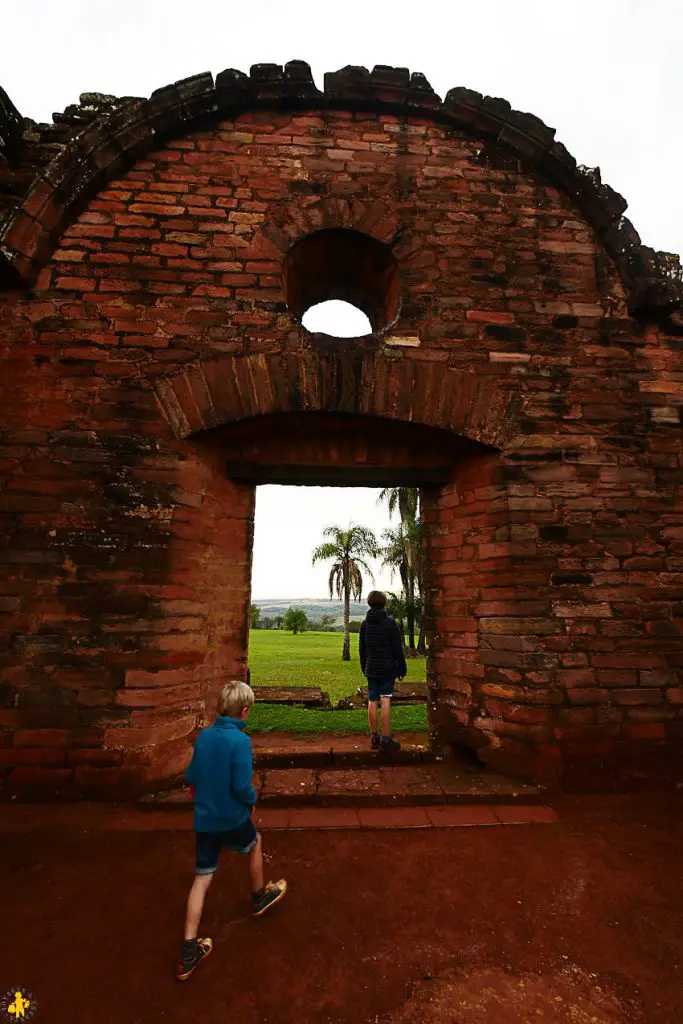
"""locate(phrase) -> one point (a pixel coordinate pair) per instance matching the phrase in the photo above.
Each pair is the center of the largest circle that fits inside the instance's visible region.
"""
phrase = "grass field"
(279, 718)
(314, 659)
(311, 659)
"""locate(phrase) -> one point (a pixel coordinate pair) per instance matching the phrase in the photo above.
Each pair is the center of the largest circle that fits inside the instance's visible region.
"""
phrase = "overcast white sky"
(290, 523)
(607, 74)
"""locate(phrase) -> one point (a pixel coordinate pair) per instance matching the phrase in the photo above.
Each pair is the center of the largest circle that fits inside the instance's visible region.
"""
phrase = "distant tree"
(348, 549)
(354, 625)
(278, 621)
(255, 616)
(295, 620)
(322, 625)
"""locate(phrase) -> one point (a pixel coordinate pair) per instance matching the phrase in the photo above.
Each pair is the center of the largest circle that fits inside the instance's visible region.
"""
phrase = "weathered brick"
(520, 626)
(41, 737)
(641, 695)
(644, 731)
(12, 757)
(554, 568)
(583, 611)
(588, 695)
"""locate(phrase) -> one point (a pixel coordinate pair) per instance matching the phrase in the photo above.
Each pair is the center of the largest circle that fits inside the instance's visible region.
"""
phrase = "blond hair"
(234, 697)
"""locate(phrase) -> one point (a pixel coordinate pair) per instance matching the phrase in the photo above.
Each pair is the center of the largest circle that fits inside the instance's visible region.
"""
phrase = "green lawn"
(311, 659)
(314, 659)
(281, 718)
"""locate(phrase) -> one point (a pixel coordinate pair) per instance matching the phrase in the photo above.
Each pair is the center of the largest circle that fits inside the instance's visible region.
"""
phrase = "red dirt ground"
(580, 922)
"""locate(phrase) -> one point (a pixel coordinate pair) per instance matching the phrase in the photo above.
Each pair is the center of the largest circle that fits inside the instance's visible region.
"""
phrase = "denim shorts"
(242, 839)
(378, 688)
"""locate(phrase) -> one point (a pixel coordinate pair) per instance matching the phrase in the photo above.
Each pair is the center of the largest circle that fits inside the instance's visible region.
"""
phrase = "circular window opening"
(337, 268)
(338, 319)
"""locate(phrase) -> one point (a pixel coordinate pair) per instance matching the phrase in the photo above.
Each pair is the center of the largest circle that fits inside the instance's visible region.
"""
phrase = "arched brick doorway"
(332, 443)
(150, 265)
(319, 449)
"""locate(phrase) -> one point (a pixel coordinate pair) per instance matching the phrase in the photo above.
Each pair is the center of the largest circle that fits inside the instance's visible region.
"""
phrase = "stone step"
(307, 696)
(333, 750)
(396, 786)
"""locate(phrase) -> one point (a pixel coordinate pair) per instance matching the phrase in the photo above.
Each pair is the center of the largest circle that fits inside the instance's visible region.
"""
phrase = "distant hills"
(314, 608)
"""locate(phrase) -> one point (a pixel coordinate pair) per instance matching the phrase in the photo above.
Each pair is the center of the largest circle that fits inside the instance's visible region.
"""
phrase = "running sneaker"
(271, 894)
(188, 964)
(374, 740)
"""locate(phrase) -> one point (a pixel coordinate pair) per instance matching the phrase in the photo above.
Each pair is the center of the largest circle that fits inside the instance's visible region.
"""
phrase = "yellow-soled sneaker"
(271, 894)
(186, 965)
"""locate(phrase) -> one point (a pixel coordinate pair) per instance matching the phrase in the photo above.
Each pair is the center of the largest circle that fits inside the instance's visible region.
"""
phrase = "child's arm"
(240, 775)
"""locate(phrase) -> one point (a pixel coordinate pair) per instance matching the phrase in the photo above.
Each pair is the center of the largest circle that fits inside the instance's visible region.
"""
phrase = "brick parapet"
(58, 168)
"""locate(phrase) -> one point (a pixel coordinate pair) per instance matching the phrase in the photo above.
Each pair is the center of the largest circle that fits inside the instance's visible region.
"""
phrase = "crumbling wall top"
(49, 171)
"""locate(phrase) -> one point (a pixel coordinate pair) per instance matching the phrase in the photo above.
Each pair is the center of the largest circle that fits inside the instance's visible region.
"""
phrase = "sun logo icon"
(17, 1005)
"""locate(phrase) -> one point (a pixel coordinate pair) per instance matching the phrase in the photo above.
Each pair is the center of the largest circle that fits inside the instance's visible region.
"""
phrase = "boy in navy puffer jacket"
(224, 798)
(383, 662)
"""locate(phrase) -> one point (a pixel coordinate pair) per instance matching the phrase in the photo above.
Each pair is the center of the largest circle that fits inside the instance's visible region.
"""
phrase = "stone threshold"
(402, 817)
(333, 750)
(392, 787)
(55, 818)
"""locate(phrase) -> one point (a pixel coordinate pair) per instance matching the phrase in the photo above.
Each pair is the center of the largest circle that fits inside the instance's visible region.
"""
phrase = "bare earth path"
(576, 922)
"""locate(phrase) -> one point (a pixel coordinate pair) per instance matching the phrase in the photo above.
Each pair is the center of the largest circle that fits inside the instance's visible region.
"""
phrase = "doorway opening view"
(414, 495)
(318, 552)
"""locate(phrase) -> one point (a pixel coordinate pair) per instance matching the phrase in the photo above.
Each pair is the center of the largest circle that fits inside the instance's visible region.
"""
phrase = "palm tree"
(405, 499)
(349, 549)
(403, 548)
(396, 555)
(396, 607)
(418, 549)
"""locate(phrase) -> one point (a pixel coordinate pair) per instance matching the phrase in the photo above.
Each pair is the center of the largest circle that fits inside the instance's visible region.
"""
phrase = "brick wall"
(555, 551)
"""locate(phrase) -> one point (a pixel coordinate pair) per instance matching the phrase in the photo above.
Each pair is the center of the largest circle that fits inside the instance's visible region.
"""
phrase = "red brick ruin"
(526, 369)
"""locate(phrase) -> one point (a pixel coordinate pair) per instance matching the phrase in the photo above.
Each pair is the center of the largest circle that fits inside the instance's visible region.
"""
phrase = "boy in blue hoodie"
(224, 798)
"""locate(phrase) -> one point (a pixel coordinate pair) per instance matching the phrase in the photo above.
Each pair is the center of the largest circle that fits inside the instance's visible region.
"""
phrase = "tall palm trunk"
(410, 609)
(422, 597)
(346, 649)
(421, 590)
(404, 574)
(422, 639)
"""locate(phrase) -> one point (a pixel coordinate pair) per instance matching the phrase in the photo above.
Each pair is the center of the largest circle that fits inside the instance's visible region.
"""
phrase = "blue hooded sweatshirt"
(220, 772)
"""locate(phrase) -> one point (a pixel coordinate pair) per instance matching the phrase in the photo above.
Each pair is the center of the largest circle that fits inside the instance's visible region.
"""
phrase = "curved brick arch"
(288, 223)
(105, 135)
(211, 393)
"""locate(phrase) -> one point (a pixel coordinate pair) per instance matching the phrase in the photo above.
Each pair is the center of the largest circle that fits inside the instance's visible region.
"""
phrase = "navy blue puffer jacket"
(380, 647)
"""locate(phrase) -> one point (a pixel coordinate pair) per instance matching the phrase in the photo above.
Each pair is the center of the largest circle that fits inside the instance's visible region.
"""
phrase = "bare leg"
(195, 904)
(256, 866)
(372, 715)
(386, 716)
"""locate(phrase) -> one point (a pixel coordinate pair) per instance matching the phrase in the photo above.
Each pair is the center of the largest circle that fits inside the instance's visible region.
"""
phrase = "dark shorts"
(209, 845)
(378, 688)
